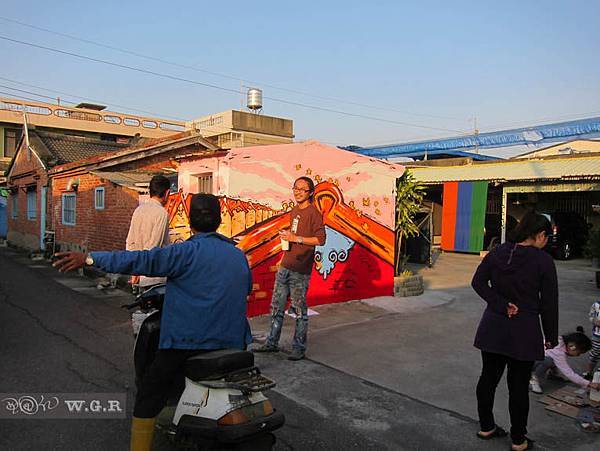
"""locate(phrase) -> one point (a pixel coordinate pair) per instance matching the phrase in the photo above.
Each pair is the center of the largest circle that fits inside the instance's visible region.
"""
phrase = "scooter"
(219, 400)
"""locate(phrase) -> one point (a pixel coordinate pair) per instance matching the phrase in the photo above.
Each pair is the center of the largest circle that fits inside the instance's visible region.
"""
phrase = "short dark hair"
(530, 225)
(159, 185)
(205, 213)
(311, 185)
(581, 341)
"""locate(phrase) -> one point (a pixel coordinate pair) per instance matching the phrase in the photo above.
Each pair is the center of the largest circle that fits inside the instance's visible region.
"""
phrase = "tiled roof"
(69, 148)
(142, 149)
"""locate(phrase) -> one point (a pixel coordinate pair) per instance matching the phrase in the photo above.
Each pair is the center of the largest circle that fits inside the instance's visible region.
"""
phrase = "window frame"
(63, 210)
(11, 139)
(203, 180)
(14, 207)
(31, 212)
(97, 190)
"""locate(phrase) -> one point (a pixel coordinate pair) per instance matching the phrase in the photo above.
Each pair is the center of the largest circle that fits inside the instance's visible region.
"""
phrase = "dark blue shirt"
(208, 280)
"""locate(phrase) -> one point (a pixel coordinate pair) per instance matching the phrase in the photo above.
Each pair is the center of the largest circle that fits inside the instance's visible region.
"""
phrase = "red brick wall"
(94, 229)
(101, 229)
(26, 171)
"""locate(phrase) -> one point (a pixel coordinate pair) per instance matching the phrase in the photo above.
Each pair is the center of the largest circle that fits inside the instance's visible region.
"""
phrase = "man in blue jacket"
(208, 280)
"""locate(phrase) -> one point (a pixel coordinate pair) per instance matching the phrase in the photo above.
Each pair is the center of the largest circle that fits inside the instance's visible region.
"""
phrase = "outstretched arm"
(157, 262)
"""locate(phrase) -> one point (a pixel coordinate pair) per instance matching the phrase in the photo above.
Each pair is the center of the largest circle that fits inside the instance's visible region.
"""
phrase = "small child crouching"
(572, 345)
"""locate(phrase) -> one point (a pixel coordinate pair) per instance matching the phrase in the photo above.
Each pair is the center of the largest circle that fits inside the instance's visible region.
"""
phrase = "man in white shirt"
(149, 226)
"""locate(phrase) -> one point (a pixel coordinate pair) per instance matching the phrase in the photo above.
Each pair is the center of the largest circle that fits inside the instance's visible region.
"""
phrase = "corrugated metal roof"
(513, 170)
(535, 135)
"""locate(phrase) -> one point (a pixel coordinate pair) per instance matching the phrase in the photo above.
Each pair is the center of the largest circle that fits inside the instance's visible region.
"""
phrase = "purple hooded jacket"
(525, 276)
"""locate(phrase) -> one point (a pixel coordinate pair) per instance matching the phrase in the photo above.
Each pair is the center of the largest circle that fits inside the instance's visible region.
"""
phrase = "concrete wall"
(43, 114)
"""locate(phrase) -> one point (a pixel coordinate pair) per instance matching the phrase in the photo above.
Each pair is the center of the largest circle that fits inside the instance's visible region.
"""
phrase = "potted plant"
(592, 250)
(409, 194)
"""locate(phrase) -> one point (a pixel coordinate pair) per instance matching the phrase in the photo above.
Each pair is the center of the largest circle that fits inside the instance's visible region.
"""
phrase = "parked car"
(493, 229)
(569, 234)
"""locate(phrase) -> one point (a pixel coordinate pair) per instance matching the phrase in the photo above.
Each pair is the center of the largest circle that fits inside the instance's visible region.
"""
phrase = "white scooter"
(221, 400)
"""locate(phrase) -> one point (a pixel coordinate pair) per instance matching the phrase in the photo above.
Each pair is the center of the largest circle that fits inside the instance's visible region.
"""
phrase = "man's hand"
(594, 385)
(287, 235)
(548, 345)
(134, 280)
(511, 310)
(67, 261)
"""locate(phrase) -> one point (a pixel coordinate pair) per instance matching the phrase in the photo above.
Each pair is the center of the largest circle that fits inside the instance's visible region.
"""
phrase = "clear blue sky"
(439, 64)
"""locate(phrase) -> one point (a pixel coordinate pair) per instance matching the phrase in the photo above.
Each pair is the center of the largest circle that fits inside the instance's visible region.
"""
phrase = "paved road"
(60, 334)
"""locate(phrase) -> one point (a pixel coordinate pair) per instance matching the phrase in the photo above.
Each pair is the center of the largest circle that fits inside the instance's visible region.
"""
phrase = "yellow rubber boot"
(142, 434)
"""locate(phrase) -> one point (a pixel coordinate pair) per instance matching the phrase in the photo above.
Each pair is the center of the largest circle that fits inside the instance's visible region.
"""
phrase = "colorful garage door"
(463, 216)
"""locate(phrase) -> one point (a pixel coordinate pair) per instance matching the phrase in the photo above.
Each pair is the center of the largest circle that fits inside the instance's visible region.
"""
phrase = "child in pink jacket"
(571, 345)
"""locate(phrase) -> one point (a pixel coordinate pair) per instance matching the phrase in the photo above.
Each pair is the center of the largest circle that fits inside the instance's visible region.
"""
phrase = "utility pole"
(476, 134)
(241, 96)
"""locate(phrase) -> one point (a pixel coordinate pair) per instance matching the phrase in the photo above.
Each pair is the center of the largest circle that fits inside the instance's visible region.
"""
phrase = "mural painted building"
(354, 193)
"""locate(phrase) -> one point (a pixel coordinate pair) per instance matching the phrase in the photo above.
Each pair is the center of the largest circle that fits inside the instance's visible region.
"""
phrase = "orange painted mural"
(355, 194)
(355, 244)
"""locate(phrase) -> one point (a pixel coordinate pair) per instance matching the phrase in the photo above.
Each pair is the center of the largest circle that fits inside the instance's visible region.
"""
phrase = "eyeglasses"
(300, 189)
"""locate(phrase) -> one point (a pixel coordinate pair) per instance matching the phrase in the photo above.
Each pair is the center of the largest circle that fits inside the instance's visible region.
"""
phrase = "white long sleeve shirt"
(595, 319)
(149, 228)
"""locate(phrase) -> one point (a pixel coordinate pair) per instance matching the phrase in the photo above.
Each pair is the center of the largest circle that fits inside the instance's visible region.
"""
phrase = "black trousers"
(166, 371)
(517, 378)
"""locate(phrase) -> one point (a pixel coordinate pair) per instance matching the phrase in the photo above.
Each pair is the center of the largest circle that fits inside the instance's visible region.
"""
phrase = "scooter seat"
(215, 364)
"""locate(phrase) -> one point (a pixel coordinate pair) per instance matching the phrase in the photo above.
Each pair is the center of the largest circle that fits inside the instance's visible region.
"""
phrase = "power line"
(527, 123)
(18, 97)
(221, 88)
(32, 93)
(222, 75)
(91, 100)
(249, 139)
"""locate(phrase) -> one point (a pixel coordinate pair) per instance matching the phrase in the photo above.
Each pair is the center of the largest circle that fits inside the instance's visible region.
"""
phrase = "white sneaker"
(534, 385)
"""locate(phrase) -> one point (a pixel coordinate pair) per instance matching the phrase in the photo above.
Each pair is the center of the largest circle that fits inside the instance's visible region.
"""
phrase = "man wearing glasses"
(306, 231)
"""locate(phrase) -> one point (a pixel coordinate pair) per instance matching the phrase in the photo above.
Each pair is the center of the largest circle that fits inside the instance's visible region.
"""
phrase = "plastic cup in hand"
(285, 245)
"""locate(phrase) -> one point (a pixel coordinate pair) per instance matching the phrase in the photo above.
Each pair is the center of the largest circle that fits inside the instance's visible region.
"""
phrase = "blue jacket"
(208, 280)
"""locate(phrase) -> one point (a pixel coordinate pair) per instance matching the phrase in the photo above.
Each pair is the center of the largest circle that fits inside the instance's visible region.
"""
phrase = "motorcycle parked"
(219, 400)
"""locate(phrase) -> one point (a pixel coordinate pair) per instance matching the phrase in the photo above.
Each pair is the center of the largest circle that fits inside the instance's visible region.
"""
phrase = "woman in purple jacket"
(518, 282)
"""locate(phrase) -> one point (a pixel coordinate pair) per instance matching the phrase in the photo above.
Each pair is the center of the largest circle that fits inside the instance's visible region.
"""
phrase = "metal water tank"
(255, 99)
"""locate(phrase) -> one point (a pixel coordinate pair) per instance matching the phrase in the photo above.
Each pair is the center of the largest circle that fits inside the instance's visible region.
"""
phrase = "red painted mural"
(356, 261)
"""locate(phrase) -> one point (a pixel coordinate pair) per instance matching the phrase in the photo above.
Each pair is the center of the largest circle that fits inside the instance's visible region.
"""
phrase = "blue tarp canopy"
(537, 136)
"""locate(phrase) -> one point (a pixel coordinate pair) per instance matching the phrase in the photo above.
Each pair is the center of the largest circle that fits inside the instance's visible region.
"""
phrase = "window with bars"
(205, 183)
(99, 198)
(14, 207)
(69, 202)
(31, 205)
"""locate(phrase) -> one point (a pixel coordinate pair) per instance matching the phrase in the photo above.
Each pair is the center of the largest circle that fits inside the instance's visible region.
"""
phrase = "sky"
(347, 72)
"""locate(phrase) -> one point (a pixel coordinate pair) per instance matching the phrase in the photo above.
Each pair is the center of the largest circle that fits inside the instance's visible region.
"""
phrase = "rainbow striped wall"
(463, 216)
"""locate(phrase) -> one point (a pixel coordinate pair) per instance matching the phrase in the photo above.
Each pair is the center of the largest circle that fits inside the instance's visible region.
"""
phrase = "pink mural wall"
(354, 193)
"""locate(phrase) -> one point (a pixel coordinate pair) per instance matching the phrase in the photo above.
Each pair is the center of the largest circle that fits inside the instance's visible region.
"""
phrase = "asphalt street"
(60, 334)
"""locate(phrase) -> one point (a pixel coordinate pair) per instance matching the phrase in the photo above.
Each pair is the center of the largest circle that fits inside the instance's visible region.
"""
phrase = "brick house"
(29, 206)
(93, 199)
